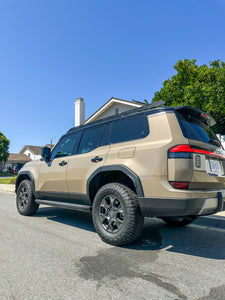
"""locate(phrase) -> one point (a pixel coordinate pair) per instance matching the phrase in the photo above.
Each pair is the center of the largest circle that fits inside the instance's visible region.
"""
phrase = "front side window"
(90, 140)
(128, 129)
(65, 147)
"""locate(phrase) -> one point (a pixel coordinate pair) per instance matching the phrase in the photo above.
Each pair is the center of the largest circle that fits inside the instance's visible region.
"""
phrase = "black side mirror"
(46, 153)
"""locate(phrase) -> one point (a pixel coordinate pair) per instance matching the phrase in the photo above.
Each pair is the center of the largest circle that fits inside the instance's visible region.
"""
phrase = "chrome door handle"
(63, 163)
(97, 159)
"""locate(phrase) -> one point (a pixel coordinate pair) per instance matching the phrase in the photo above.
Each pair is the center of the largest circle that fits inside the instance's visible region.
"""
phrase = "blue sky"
(53, 51)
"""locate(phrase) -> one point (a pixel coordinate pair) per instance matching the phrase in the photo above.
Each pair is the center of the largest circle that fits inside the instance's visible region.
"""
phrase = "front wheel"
(179, 221)
(116, 214)
(25, 199)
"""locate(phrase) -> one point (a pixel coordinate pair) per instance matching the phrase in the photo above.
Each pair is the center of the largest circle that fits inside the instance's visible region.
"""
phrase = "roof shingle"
(18, 158)
(36, 150)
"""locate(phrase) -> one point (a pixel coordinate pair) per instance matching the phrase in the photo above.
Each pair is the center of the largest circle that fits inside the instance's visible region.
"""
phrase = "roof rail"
(144, 107)
(128, 112)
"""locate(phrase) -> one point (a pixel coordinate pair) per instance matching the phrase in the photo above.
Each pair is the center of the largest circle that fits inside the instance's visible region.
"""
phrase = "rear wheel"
(25, 199)
(179, 221)
(116, 214)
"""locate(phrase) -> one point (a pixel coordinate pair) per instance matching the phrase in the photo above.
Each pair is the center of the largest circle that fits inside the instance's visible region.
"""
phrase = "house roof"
(36, 150)
(146, 109)
(49, 145)
(18, 158)
(110, 102)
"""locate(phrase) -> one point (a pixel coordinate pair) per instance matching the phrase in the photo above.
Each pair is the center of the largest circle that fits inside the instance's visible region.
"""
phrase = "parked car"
(18, 167)
(163, 162)
(14, 170)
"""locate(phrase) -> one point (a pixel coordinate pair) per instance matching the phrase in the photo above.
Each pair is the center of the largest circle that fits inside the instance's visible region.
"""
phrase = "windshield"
(197, 129)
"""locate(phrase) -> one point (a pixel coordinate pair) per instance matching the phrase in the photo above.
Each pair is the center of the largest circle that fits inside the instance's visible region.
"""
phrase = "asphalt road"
(57, 255)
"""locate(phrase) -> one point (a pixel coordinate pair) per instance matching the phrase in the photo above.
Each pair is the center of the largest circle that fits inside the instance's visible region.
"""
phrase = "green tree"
(202, 87)
(4, 147)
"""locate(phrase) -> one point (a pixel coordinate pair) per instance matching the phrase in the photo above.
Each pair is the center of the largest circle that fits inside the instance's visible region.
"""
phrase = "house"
(111, 107)
(15, 159)
(222, 139)
(49, 146)
(34, 152)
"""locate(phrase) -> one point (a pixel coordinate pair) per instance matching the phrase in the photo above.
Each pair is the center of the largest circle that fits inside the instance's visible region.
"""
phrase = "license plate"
(215, 166)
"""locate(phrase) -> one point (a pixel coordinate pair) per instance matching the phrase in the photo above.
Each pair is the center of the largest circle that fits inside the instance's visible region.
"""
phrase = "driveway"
(56, 254)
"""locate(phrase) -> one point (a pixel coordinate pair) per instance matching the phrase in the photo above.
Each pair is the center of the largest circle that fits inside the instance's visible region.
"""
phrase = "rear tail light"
(179, 184)
(185, 151)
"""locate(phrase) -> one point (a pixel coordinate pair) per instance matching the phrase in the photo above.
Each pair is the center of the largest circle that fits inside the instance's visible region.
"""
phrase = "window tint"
(129, 129)
(105, 136)
(194, 129)
(65, 147)
(90, 140)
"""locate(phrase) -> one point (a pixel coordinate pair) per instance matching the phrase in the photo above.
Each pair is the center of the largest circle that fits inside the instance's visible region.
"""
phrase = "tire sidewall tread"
(32, 206)
(133, 221)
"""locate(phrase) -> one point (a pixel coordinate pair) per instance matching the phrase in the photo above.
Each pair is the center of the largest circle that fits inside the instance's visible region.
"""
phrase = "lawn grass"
(4, 174)
(8, 180)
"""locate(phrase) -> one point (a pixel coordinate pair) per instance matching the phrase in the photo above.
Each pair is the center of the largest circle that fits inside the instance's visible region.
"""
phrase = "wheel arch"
(22, 176)
(102, 176)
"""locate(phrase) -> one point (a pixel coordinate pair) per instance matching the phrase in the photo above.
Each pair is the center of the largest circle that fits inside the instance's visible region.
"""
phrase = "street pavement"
(56, 254)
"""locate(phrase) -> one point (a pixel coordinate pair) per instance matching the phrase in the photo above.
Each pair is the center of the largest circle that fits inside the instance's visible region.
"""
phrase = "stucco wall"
(222, 139)
(112, 110)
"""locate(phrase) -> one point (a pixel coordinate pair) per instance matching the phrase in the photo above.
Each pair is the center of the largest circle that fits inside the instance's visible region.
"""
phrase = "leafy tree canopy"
(4, 147)
(202, 87)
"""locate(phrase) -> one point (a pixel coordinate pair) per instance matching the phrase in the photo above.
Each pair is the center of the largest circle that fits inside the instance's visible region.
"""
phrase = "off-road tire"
(132, 219)
(179, 221)
(25, 200)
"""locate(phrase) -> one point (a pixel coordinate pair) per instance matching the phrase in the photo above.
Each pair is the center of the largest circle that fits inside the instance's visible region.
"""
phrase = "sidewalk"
(7, 188)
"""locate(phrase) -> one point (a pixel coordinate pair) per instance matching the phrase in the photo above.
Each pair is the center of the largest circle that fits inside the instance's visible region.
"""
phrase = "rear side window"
(105, 136)
(90, 140)
(195, 129)
(128, 129)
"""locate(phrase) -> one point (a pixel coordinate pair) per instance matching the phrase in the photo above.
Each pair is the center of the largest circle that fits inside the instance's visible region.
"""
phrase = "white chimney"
(79, 111)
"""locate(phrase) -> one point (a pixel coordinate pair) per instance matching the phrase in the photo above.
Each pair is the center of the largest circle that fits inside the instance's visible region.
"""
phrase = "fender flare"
(19, 177)
(135, 179)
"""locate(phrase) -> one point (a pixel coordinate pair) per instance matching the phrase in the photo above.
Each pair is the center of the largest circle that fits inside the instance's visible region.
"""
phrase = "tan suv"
(161, 162)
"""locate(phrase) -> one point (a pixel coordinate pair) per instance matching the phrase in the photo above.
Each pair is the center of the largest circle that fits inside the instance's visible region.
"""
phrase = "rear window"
(128, 129)
(196, 129)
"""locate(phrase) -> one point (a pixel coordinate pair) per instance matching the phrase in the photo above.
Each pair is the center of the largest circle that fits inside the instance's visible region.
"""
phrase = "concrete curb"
(211, 221)
(217, 220)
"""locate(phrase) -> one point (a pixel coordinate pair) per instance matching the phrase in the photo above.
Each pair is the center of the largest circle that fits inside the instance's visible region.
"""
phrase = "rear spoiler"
(196, 113)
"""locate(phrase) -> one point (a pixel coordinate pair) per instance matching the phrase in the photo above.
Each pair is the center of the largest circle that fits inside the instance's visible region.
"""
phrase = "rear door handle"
(63, 163)
(97, 159)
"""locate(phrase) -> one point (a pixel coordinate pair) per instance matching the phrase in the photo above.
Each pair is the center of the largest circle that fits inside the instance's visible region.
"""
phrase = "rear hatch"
(204, 152)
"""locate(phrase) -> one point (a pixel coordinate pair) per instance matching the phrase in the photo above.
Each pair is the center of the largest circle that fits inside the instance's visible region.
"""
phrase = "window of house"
(117, 111)
(128, 129)
(90, 140)
(28, 154)
(66, 146)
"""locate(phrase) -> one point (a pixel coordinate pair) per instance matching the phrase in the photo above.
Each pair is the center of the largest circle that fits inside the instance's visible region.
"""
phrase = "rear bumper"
(157, 207)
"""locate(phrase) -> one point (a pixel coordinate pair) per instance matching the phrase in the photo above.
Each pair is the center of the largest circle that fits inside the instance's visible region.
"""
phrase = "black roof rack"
(144, 108)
